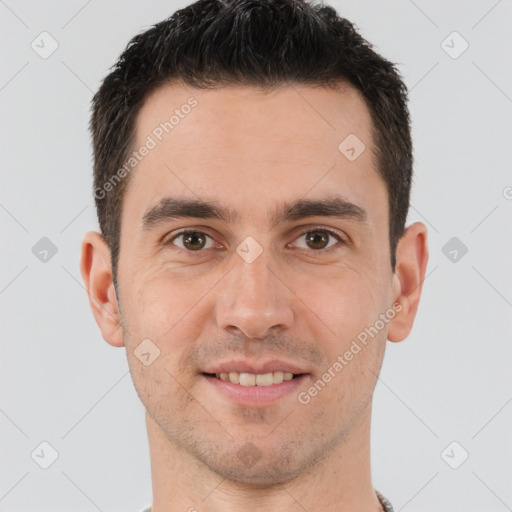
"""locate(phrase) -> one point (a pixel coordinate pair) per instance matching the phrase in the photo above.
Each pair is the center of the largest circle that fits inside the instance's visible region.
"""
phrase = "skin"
(250, 151)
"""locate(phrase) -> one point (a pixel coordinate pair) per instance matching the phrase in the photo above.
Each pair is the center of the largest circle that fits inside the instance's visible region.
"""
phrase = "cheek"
(169, 313)
(172, 312)
(347, 300)
(162, 302)
(350, 303)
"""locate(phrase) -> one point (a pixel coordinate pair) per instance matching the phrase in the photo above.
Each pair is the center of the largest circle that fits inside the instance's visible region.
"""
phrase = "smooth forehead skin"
(251, 151)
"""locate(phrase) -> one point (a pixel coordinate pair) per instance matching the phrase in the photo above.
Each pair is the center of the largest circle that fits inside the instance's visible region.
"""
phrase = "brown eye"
(193, 240)
(318, 239)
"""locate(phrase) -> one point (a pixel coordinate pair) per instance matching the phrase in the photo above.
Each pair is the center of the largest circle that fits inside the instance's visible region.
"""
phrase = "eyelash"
(188, 231)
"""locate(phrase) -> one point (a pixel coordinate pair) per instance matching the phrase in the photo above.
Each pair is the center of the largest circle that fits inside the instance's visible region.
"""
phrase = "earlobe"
(96, 270)
(410, 269)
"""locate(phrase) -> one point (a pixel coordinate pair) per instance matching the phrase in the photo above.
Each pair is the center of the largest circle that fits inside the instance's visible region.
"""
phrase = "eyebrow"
(170, 208)
(333, 206)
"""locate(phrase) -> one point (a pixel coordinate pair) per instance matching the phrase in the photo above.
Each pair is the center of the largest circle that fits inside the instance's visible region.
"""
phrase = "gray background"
(60, 383)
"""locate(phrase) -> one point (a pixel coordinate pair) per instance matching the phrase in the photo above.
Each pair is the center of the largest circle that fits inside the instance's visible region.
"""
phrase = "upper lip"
(257, 367)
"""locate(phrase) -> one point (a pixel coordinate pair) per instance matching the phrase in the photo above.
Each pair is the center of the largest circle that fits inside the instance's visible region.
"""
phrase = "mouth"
(253, 379)
(255, 390)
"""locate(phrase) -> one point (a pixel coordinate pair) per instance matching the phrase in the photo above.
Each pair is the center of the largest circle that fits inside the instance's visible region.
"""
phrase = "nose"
(253, 300)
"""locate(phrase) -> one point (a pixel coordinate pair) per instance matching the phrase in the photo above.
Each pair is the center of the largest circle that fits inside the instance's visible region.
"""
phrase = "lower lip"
(256, 395)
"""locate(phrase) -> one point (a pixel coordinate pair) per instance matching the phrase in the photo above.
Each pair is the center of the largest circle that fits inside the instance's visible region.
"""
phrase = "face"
(284, 265)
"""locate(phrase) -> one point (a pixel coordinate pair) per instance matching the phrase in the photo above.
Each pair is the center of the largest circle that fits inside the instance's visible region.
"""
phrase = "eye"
(318, 239)
(191, 240)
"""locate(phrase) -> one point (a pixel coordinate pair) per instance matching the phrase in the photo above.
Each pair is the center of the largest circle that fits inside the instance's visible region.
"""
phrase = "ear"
(411, 265)
(96, 270)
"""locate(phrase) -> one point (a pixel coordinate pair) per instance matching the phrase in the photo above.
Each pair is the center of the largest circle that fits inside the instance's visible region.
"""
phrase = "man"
(252, 172)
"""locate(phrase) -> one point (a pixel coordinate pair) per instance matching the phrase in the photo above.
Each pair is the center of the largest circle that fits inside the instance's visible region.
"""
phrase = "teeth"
(251, 379)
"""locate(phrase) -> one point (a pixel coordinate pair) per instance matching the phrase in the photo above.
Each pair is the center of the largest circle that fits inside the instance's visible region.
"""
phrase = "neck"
(341, 481)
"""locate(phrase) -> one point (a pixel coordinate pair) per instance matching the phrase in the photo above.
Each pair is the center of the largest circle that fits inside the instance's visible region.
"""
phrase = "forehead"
(253, 148)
